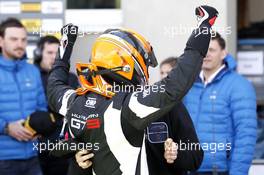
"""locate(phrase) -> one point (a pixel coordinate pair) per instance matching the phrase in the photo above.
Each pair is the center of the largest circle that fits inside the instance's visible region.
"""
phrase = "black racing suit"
(115, 127)
(177, 125)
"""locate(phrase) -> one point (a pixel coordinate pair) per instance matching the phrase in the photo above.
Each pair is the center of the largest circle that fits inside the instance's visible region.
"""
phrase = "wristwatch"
(6, 129)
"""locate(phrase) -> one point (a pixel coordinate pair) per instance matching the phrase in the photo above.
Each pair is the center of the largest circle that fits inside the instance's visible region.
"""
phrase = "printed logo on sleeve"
(157, 132)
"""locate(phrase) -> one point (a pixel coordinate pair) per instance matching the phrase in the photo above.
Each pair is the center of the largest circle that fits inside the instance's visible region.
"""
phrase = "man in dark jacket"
(177, 129)
(180, 130)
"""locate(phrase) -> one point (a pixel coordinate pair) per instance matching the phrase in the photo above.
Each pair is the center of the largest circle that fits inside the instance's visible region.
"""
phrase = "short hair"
(47, 39)
(9, 22)
(221, 41)
(40, 46)
(172, 61)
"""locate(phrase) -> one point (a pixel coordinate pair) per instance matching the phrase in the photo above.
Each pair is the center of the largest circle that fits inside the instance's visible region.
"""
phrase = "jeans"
(20, 167)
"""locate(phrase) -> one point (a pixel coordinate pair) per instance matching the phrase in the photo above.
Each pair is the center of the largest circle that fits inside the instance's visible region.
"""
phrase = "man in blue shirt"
(21, 95)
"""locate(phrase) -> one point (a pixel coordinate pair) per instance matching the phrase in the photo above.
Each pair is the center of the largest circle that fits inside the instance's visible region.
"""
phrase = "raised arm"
(60, 94)
(143, 107)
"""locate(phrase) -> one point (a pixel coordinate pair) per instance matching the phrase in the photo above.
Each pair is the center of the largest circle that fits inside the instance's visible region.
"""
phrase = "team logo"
(157, 132)
(77, 123)
(213, 96)
(92, 116)
(79, 116)
(93, 123)
(90, 102)
(28, 82)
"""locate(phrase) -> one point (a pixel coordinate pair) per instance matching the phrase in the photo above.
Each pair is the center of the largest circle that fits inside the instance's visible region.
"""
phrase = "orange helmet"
(121, 56)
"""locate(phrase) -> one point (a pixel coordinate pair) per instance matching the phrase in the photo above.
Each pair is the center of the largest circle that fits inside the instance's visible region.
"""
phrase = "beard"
(15, 54)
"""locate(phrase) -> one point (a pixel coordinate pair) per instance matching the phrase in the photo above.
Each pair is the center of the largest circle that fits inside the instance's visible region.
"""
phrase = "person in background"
(222, 105)
(44, 57)
(172, 129)
(21, 96)
(167, 65)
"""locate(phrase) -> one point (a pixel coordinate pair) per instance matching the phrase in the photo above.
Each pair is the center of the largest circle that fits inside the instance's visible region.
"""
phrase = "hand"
(17, 130)
(171, 150)
(69, 33)
(82, 158)
(206, 15)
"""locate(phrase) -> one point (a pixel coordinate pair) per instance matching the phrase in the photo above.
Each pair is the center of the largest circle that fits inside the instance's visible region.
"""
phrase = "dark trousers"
(74, 169)
(52, 165)
(20, 167)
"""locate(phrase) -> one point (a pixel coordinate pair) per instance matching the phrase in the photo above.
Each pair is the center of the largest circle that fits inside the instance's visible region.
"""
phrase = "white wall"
(256, 170)
(162, 23)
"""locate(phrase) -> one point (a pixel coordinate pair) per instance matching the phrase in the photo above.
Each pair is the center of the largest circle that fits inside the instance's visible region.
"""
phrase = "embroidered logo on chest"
(90, 102)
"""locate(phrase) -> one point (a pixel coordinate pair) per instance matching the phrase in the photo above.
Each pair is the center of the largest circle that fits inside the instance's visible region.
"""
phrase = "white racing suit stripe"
(139, 109)
(117, 142)
(64, 103)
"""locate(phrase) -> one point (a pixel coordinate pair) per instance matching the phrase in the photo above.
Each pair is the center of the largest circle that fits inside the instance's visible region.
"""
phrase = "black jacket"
(180, 128)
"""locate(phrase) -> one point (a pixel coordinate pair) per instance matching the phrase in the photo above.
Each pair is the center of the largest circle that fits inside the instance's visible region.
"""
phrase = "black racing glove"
(206, 15)
(69, 33)
(201, 36)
